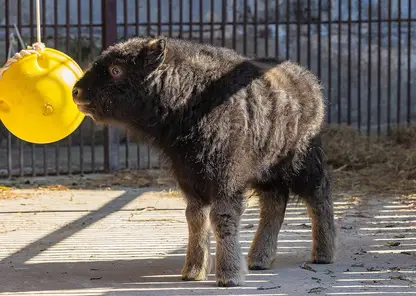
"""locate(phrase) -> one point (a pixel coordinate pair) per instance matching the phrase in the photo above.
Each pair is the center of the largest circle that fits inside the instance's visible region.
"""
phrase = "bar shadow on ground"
(147, 257)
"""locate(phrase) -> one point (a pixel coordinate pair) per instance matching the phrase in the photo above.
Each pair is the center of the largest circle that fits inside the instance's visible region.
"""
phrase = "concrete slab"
(133, 242)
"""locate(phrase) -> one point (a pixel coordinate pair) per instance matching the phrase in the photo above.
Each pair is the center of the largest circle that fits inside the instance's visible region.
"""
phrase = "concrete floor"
(132, 242)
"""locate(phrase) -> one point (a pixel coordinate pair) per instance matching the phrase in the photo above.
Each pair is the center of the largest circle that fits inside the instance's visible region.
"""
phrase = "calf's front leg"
(225, 219)
(197, 262)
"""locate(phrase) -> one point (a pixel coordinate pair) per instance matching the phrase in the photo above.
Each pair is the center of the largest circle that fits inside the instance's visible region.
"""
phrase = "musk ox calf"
(225, 123)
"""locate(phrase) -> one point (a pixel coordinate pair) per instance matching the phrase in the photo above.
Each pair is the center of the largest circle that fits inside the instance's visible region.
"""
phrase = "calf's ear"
(155, 52)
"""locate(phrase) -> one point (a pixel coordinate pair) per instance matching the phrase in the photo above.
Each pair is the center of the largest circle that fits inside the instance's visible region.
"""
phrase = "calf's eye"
(115, 71)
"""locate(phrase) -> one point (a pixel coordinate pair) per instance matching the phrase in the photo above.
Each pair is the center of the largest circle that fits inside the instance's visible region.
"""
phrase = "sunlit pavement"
(133, 243)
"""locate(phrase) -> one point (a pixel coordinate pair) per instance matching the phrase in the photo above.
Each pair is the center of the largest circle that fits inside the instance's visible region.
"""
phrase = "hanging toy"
(35, 93)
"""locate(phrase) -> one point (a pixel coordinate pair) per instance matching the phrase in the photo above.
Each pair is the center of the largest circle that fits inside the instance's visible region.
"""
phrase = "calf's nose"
(76, 92)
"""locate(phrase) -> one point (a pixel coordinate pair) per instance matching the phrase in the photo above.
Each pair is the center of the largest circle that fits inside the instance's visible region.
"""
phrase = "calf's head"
(113, 88)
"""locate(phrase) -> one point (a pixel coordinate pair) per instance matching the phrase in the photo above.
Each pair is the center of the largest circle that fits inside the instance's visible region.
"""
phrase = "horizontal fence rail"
(364, 53)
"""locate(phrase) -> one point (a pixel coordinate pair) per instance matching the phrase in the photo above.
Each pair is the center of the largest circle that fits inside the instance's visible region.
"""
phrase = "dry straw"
(372, 164)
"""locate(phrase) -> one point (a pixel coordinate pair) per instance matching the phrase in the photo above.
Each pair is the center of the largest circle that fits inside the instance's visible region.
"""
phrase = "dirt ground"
(99, 235)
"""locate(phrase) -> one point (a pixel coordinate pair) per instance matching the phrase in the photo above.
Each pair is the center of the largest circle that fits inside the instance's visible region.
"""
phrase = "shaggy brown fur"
(225, 123)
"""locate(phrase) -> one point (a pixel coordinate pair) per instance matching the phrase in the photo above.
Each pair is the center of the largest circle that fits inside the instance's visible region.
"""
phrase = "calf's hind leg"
(320, 209)
(272, 211)
(312, 183)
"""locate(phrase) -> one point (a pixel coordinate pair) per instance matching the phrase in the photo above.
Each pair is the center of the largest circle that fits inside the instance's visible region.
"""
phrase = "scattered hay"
(12, 193)
(132, 179)
(404, 136)
(54, 187)
(372, 164)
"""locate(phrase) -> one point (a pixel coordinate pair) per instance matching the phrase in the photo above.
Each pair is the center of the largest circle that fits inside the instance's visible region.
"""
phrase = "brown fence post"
(111, 134)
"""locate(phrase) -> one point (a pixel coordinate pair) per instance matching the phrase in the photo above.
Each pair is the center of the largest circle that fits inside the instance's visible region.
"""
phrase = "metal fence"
(361, 50)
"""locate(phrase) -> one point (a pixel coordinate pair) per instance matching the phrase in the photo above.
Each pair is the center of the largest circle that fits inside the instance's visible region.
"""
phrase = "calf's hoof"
(228, 284)
(322, 259)
(261, 263)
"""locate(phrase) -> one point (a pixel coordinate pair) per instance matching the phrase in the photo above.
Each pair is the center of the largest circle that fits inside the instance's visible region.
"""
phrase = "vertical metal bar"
(255, 24)
(277, 17)
(359, 68)
(125, 33)
(409, 62)
(245, 27)
(339, 62)
(159, 18)
(9, 153)
(349, 65)
(190, 18)
(57, 166)
(127, 163)
(138, 155)
(159, 32)
(7, 54)
(21, 151)
(32, 26)
(55, 26)
(201, 22)
(81, 135)
(160, 160)
(399, 64)
(7, 44)
(45, 160)
(45, 147)
(309, 31)
(180, 18)
(298, 31)
(32, 9)
(111, 135)
(9, 136)
(43, 8)
(91, 19)
(211, 36)
(148, 32)
(33, 152)
(224, 21)
(19, 15)
(148, 17)
(170, 17)
(369, 69)
(234, 46)
(21, 158)
(7, 14)
(137, 17)
(57, 148)
(68, 26)
(287, 28)
(266, 28)
(379, 71)
(92, 146)
(319, 37)
(137, 33)
(125, 18)
(389, 69)
(329, 56)
(149, 157)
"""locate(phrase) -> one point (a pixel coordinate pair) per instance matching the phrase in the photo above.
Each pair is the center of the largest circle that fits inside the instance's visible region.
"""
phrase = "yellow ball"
(36, 97)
